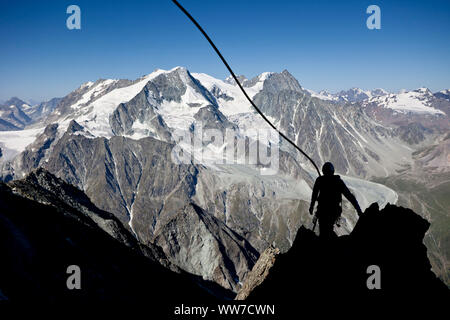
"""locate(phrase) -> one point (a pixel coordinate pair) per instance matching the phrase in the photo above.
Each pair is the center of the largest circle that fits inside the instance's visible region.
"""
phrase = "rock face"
(435, 158)
(342, 134)
(129, 178)
(140, 109)
(47, 226)
(335, 271)
(413, 133)
(259, 272)
(205, 246)
(444, 94)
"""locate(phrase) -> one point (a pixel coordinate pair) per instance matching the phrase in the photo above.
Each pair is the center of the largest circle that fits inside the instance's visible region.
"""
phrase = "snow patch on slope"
(95, 116)
(14, 142)
(239, 103)
(323, 95)
(416, 101)
(367, 192)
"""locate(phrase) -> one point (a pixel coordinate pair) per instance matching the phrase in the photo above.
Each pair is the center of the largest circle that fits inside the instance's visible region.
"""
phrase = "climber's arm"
(350, 197)
(315, 193)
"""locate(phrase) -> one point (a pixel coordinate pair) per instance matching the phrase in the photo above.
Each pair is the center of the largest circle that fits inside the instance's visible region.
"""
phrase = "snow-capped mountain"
(358, 95)
(14, 101)
(443, 94)
(165, 101)
(323, 94)
(414, 113)
(42, 110)
(351, 95)
(16, 114)
(114, 140)
(418, 101)
(12, 115)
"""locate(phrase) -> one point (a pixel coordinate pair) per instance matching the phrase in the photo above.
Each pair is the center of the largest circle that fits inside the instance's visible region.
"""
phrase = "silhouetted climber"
(328, 191)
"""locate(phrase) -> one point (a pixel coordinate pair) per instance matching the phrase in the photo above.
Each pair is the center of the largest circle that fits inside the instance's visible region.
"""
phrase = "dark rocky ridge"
(43, 187)
(47, 225)
(333, 273)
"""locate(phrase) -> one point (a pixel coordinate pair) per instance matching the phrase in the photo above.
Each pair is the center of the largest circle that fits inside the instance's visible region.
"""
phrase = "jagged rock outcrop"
(333, 272)
(259, 272)
(211, 118)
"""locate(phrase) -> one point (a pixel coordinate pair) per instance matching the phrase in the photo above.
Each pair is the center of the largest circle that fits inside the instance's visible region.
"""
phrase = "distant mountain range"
(114, 140)
(417, 100)
(16, 114)
(351, 95)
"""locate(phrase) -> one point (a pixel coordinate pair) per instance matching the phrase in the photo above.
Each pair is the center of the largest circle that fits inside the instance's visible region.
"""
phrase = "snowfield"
(416, 101)
(239, 104)
(95, 116)
(14, 142)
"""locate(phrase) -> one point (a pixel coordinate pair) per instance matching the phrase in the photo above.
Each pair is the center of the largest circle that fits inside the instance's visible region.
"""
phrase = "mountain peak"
(241, 78)
(379, 92)
(418, 101)
(15, 101)
(353, 94)
(423, 90)
(443, 94)
(286, 72)
(280, 81)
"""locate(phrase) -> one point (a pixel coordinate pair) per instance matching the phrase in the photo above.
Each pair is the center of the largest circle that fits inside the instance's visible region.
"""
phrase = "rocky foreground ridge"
(315, 272)
(47, 225)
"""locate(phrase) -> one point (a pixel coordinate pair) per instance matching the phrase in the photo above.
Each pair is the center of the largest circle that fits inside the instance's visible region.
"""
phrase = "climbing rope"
(239, 84)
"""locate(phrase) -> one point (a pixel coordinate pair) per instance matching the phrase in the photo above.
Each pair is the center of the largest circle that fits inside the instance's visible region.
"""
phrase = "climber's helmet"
(328, 169)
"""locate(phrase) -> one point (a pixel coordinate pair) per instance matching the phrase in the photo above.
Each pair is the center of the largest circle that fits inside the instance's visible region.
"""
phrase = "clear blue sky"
(324, 44)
